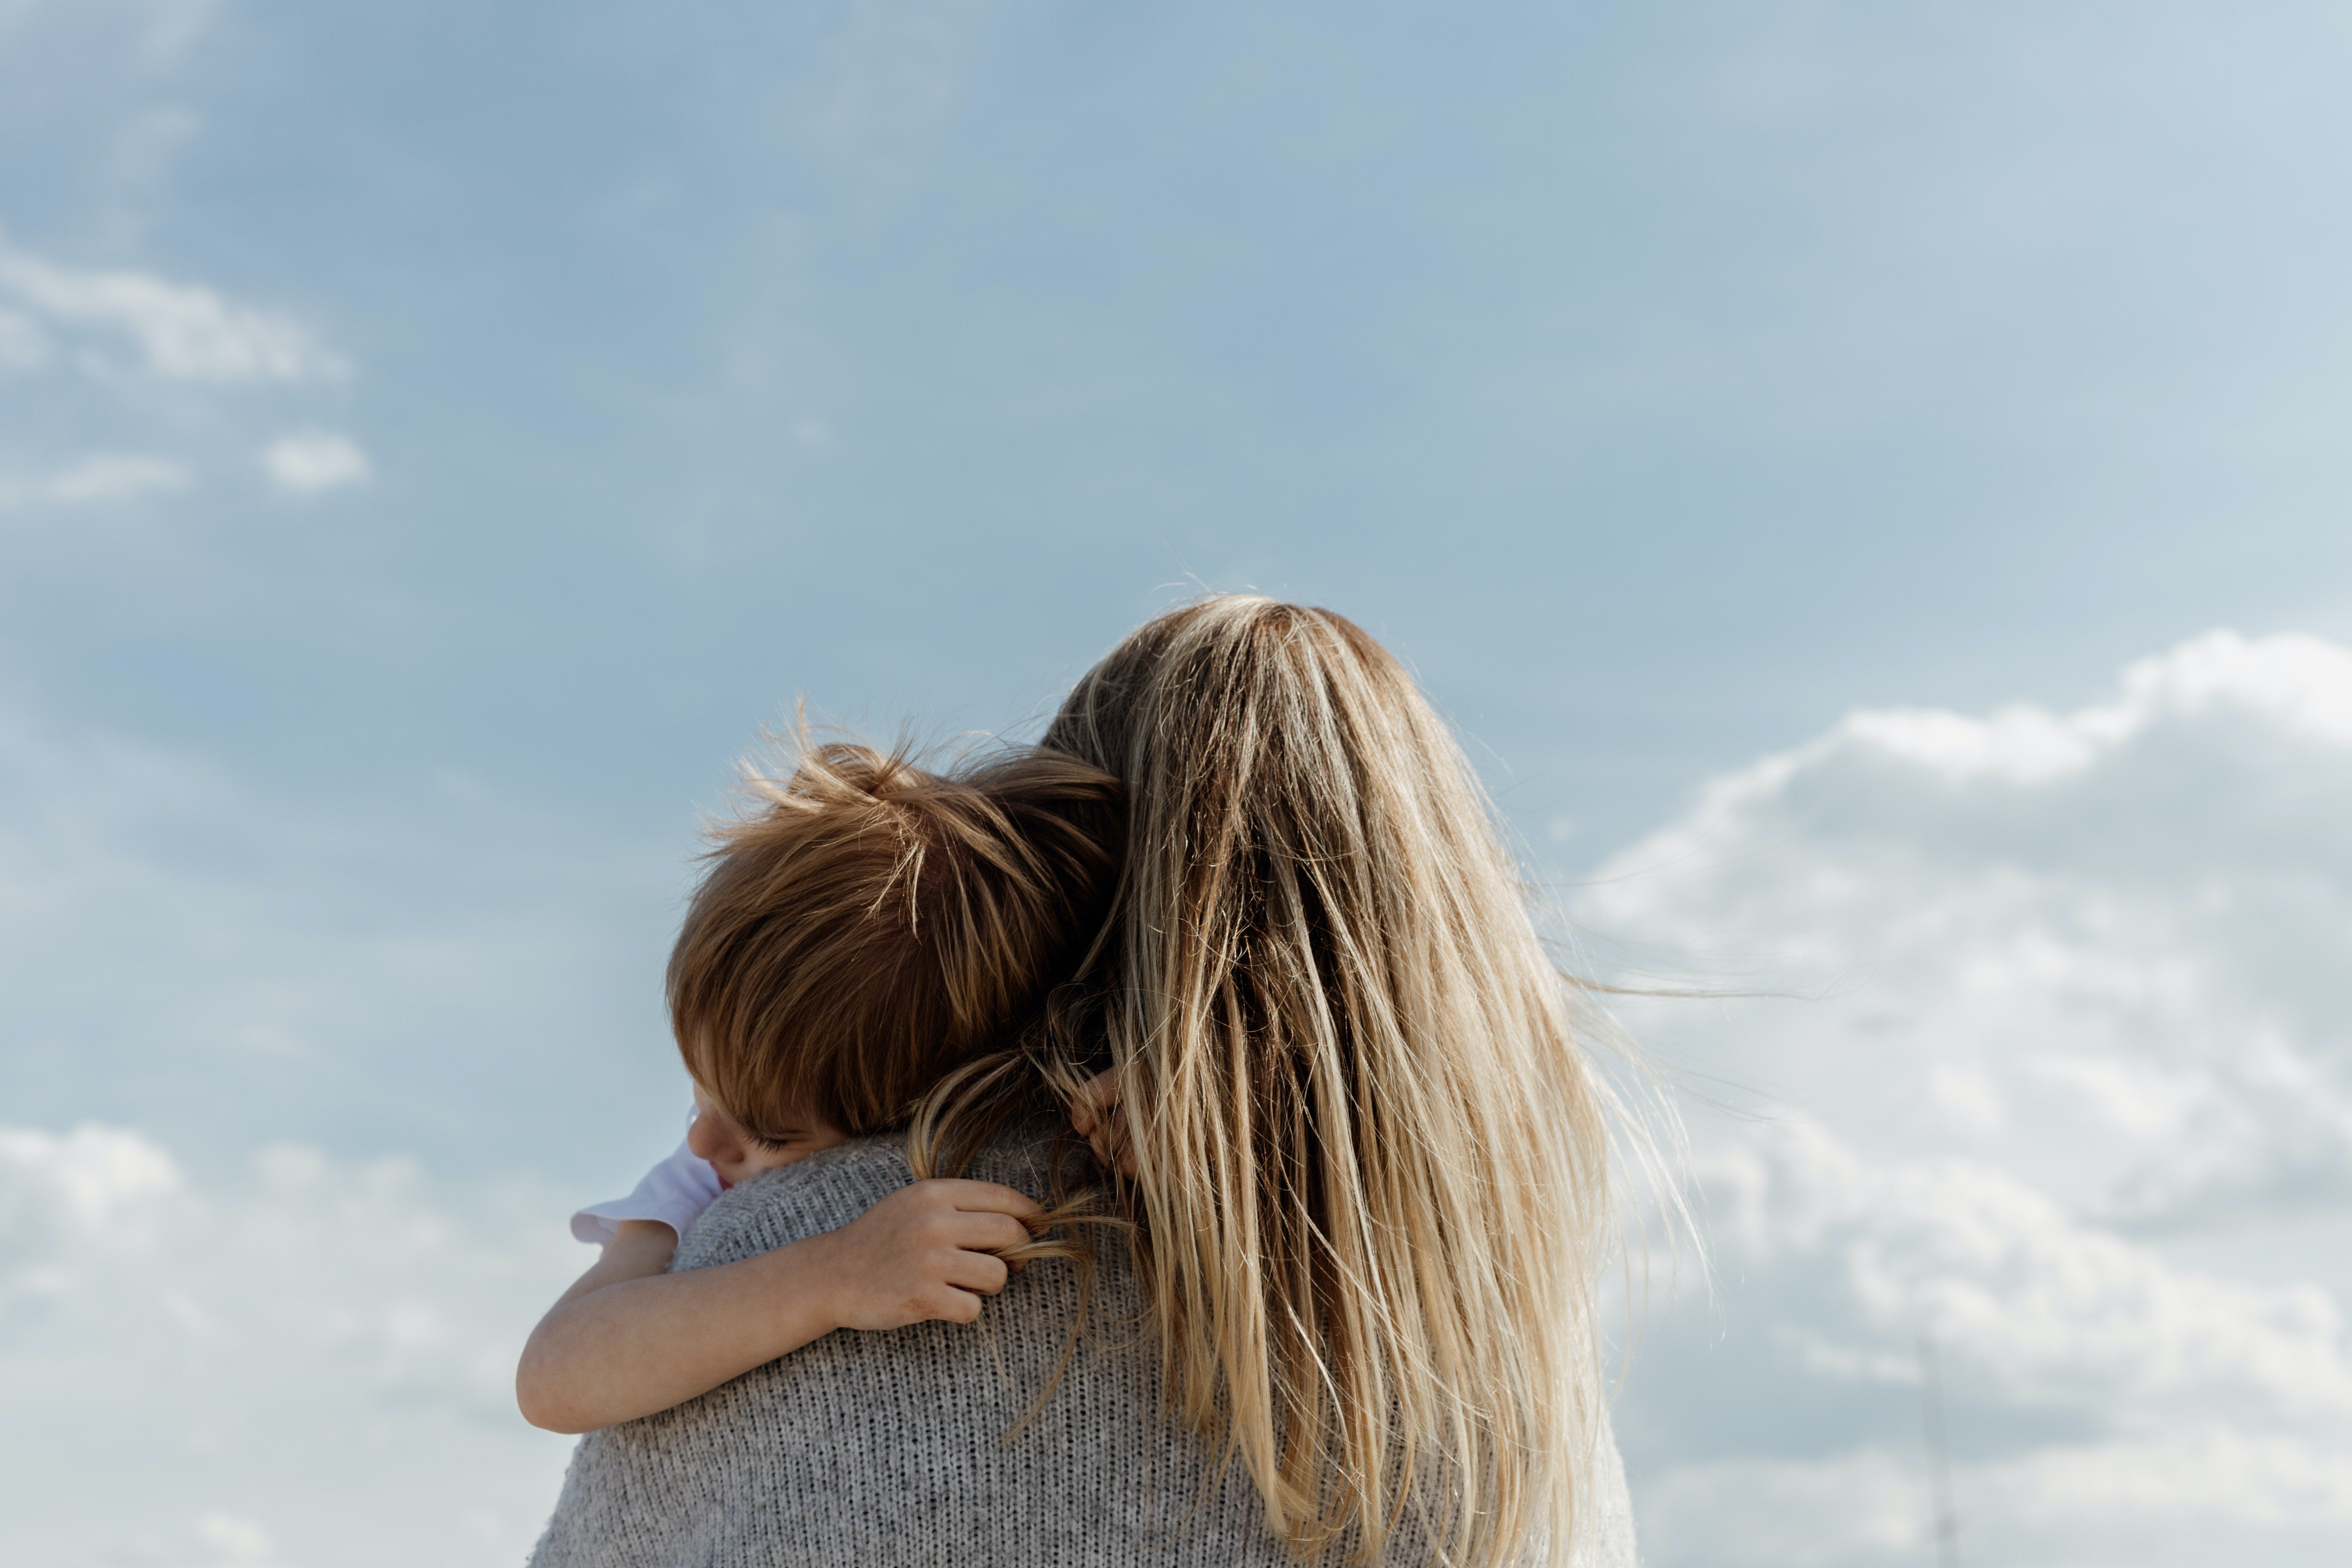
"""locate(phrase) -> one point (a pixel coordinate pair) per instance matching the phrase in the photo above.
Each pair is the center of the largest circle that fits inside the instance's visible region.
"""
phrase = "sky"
(1866, 481)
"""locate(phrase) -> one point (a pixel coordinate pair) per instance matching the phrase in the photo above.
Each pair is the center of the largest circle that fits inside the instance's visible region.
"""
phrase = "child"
(871, 928)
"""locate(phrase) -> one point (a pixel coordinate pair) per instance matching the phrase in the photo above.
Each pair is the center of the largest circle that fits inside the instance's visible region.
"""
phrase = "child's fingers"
(977, 1271)
(987, 1232)
(955, 1306)
(984, 1198)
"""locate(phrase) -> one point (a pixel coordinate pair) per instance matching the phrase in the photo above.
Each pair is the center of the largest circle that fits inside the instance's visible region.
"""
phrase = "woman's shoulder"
(834, 1186)
(807, 1197)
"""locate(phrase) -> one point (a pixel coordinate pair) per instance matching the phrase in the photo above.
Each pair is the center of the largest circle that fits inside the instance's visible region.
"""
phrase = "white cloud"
(1967, 1096)
(1859, 1508)
(2025, 1300)
(233, 1542)
(128, 359)
(2211, 1495)
(2209, 1472)
(2074, 1094)
(98, 478)
(183, 331)
(308, 461)
(233, 1320)
(2126, 926)
(215, 1538)
(96, 1182)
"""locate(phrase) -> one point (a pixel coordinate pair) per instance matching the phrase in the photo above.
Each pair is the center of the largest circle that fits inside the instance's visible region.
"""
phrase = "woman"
(1365, 1156)
(1363, 1161)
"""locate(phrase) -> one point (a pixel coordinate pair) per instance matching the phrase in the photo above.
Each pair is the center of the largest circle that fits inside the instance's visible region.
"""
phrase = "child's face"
(738, 1155)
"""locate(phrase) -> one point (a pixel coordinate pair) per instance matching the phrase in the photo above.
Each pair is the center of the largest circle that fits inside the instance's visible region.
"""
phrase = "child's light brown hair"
(870, 924)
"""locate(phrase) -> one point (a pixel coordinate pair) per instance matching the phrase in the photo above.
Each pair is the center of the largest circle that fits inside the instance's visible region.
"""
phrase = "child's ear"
(1096, 1096)
(1095, 1115)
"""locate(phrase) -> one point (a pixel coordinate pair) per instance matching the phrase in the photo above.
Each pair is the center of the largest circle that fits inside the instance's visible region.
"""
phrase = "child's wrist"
(817, 1262)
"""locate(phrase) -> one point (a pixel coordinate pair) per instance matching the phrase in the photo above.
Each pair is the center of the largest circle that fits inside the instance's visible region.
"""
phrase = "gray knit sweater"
(884, 1449)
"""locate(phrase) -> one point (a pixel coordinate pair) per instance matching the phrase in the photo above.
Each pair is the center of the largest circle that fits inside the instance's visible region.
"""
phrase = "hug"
(1169, 1143)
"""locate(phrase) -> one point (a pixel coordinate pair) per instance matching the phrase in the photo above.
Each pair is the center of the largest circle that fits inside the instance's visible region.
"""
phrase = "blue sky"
(433, 440)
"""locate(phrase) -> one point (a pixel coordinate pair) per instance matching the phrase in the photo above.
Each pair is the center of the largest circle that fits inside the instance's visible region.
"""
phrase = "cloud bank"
(2074, 1100)
(250, 1348)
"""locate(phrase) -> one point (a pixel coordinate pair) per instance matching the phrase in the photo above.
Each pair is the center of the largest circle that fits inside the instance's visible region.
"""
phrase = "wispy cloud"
(308, 461)
(215, 1538)
(182, 332)
(100, 477)
(124, 359)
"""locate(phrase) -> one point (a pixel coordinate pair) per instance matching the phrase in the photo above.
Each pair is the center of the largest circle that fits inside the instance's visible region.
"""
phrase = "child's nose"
(706, 1139)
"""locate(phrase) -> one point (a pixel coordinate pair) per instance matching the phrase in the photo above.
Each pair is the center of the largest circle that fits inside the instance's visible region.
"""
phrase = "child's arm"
(628, 1340)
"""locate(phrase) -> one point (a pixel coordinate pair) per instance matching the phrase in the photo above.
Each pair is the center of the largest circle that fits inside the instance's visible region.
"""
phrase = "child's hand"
(925, 1251)
(1097, 1117)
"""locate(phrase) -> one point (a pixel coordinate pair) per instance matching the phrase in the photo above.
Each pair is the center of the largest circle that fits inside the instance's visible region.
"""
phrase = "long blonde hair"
(1371, 1177)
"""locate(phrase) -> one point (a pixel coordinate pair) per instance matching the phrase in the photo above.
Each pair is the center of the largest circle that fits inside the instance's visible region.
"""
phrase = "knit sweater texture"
(891, 1448)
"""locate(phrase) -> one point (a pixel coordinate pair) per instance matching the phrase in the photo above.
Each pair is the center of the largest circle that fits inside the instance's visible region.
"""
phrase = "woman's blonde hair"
(1370, 1176)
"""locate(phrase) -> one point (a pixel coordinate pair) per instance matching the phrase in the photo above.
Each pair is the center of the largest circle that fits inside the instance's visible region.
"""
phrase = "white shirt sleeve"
(673, 1192)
